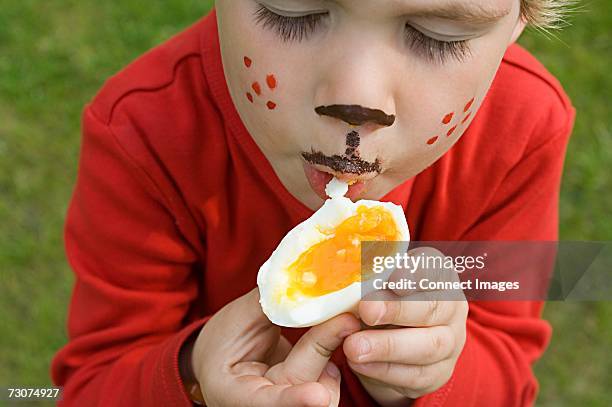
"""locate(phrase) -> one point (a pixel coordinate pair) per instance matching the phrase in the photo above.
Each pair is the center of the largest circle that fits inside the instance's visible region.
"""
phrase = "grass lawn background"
(55, 55)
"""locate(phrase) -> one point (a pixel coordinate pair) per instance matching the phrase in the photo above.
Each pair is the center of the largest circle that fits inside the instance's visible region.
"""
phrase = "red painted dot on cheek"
(468, 105)
(271, 105)
(432, 140)
(256, 88)
(271, 81)
(466, 118)
(447, 119)
(248, 62)
(451, 131)
(249, 96)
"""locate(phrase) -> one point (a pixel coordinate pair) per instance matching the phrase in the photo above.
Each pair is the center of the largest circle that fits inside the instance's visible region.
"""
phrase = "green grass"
(577, 368)
(55, 55)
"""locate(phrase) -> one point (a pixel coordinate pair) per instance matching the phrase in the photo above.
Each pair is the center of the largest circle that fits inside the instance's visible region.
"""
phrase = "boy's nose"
(357, 115)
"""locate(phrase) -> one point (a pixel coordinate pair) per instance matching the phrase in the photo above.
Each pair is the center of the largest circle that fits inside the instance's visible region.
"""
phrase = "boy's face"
(373, 91)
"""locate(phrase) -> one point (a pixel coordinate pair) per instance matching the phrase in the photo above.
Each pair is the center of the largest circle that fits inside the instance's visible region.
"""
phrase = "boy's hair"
(545, 14)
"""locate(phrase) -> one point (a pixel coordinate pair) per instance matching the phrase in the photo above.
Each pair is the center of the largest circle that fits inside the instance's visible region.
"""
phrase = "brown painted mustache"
(356, 115)
(346, 165)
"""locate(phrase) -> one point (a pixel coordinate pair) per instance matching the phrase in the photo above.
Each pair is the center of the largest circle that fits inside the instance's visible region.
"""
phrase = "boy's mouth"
(318, 177)
(349, 167)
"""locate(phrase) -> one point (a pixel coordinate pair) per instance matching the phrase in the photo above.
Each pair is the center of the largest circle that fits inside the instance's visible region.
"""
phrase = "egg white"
(273, 278)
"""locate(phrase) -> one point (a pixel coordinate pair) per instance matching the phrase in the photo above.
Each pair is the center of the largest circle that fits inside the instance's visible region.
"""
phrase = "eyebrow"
(462, 12)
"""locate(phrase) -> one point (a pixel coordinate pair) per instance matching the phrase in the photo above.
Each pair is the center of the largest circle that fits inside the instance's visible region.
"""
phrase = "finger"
(302, 395)
(416, 378)
(310, 354)
(249, 387)
(423, 258)
(428, 265)
(250, 369)
(419, 346)
(330, 378)
(416, 310)
(443, 281)
(282, 349)
(423, 280)
(257, 391)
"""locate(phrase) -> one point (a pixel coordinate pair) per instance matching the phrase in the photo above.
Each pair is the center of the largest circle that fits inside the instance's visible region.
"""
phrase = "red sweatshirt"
(175, 208)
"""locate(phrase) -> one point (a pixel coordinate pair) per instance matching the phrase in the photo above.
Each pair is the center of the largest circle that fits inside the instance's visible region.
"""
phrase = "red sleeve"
(505, 338)
(134, 284)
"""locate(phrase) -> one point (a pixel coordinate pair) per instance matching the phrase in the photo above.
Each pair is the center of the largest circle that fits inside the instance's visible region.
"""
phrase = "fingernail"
(332, 370)
(364, 348)
(382, 310)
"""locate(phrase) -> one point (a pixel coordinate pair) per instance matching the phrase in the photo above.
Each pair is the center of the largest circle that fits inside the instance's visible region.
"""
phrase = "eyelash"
(435, 50)
(291, 29)
(288, 28)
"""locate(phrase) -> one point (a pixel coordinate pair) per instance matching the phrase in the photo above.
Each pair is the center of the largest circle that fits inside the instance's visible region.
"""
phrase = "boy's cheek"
(452, 124)
(259, 85)
(267, 98)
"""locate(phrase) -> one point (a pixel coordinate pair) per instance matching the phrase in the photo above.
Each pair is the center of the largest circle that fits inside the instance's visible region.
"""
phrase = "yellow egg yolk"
(335, 263)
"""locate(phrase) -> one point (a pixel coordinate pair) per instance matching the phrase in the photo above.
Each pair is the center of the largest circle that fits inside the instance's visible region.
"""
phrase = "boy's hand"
(398, 363)
(240, 358)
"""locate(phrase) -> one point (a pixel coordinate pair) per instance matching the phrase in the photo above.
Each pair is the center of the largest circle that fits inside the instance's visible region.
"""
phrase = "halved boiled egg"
(315, 272)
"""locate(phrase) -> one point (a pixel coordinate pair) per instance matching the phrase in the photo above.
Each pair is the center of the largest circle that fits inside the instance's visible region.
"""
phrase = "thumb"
(250, 308)
(255, 338)
(310, 355)
(244, 314)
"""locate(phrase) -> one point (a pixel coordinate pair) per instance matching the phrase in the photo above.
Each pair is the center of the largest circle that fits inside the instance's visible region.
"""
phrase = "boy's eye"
(298, 28)
(295, 28)
(434, 50)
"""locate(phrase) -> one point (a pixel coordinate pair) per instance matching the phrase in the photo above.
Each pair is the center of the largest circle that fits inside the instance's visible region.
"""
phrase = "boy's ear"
(518, 30)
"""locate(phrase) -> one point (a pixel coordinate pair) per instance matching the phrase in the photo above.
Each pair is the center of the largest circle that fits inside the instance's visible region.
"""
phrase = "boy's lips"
(319, 177)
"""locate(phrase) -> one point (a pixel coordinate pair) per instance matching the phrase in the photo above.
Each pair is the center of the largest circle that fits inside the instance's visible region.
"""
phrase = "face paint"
(468, 105)
(451, 131)
(352, 143)
(356, 115)
(342, 164)
(466, 118)
(432, 140)
(350, 163)
(256, 88)
(353, 139)
(271, 81)
(447, 119)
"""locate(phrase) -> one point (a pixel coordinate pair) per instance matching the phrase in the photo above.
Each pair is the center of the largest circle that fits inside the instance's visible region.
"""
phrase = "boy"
(202, 154)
